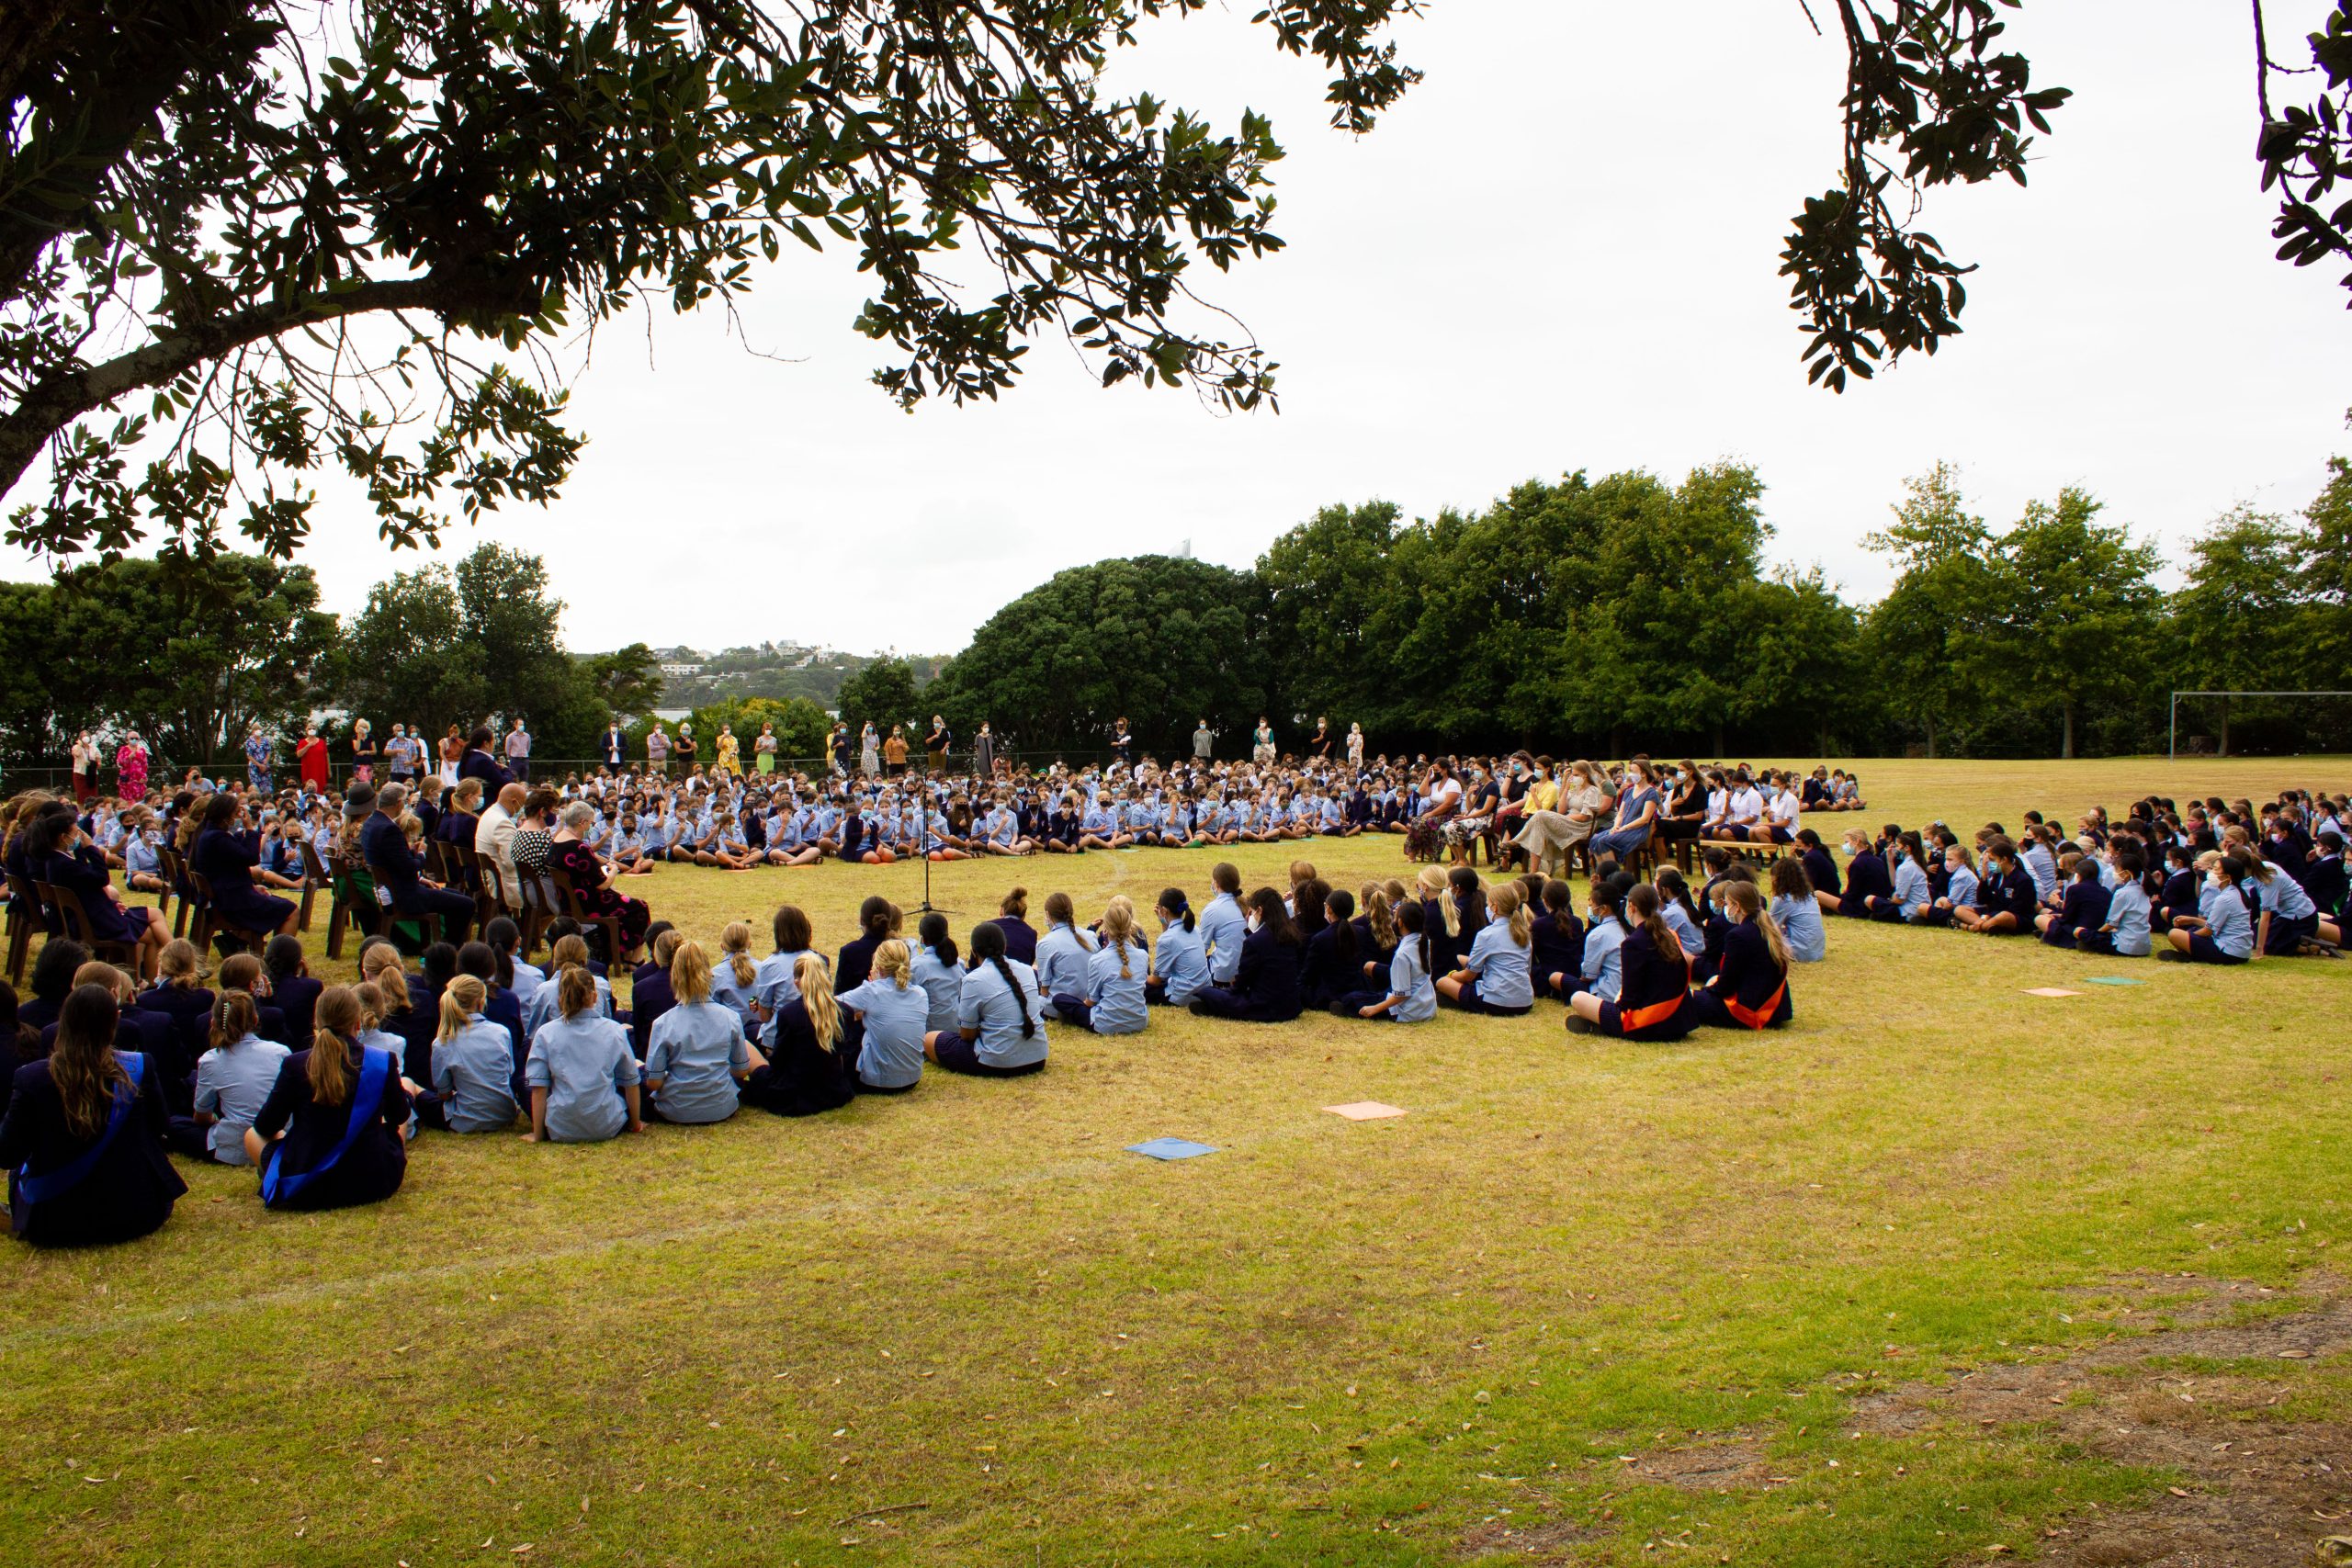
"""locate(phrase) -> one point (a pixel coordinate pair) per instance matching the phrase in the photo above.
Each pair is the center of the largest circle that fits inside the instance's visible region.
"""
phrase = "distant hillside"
(779, 669)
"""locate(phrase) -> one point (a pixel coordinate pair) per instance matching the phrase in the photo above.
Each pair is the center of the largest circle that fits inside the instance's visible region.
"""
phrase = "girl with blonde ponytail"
(809, 1070)
(1495, 975)
(696, 1054)
(582, 1075)
(734, 978)
(894, 1011)
(474, 1061)
(1751, 990)
(233, 1082)
(335, 1130)
(1113, 1000)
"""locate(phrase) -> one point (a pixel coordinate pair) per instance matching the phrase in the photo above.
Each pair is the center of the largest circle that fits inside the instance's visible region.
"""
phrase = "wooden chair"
(25, 912)
(475, 874)
(210, 922)
(577, 907)
(175, 872)
(71, 920)
(493, 882)
(338, 886)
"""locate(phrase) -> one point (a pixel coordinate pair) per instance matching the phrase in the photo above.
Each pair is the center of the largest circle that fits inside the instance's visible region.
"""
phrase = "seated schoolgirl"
(1866, 878)
(1333, 967)
(1224, 923)
(582, 1074)
(473, 1062)
(2125, 932)
(569, 951)
(1112, 1001)
(1494, 977)
(1180, 964)
(2006, 900)
(2295, 921)
(179, 994)
(244, 972)
(1959, 886)
(1603, 969)
(1376, 930)
(697, 1058)
(84, 1136)
(233, 1083)
(2224, 933)
(812, 1065)
(1012, 919)
(894, 1012)
(1411, 996)
(1908, 903)
(999, 1031)
(1820, 867)
(1063, 951)
(2081, 910)
(1653, 1000)
(1265, 989)
(1750, 990)
(1797, 912)
(2181, 886)
(292, 991)
(1556, 942)
(938, 971)
(334, 1133)
(1680, 914)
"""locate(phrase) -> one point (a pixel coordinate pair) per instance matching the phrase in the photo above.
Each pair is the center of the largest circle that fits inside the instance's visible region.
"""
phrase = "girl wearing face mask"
(2223, 931)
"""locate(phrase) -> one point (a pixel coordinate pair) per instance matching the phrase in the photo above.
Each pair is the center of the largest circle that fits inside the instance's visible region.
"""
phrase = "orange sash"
(1756, 1018)
(1630, 1018)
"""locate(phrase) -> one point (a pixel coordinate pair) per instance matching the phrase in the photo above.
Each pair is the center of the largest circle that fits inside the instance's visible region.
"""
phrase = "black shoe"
(1580, 1024)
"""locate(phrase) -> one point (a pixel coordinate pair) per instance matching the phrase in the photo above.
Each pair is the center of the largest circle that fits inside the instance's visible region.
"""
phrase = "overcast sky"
(1559, 252)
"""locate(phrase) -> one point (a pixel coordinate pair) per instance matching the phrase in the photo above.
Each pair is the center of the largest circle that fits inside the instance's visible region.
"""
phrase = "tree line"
(1593, 614)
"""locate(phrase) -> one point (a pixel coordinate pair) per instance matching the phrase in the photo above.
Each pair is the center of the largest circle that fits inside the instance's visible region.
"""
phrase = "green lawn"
(1486, 1329)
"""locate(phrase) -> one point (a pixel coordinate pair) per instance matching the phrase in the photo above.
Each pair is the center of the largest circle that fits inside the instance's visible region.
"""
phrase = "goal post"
(2172, 721)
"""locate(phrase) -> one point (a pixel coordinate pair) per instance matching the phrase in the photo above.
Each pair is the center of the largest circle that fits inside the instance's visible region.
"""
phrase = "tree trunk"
(2225, 727)
(1719, 738)
(2066, 747)
(1931, 740)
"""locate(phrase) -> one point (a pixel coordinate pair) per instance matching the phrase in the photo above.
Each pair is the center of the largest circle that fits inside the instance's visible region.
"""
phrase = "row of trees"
(1593, 614)
(1604, 613)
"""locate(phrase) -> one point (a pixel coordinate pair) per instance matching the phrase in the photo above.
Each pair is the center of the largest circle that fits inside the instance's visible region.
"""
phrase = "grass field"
(1939, 1269)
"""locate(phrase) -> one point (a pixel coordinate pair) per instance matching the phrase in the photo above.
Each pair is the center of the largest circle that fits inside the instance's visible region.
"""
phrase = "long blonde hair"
(689, 973)
(234, 1016)
(894, 962)
(735, 946)
(179, 966)
(464, 997)
(382, 969)
(336, 1020)
(575, 988)
(1748, 899)
(1382, 914)
(1119, 930)
(816, 984)
(1504, 902)
(1432, 884)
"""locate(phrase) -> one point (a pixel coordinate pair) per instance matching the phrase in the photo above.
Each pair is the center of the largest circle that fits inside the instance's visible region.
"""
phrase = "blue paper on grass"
(2112, 980)
(1171, 1148)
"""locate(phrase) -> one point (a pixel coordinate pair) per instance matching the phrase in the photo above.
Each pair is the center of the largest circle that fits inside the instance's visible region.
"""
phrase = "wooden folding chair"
(210, 922)
(175, 872)
(577, 907)
(71, 920)
(315, 875)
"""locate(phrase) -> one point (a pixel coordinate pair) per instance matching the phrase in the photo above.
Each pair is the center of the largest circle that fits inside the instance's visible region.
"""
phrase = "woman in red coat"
(310, 754)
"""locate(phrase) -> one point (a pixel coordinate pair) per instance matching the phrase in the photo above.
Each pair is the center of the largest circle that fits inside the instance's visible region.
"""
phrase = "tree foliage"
(883, 692)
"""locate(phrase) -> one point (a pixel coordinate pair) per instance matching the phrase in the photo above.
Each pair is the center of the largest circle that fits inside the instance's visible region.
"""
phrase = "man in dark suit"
(394, 867)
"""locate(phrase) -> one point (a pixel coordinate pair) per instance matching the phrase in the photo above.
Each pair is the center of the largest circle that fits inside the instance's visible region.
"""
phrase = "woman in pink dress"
(130, 768)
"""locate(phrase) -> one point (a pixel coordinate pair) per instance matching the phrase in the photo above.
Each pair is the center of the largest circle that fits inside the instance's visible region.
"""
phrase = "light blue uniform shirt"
(1409, 979)
(1501, 965)
(1062, 954)
(1961, 888)
(695, 1049)
(2043, 866)
(1910, 887)
(1604, 965)
(990, 1007)
(583, 1062)
(943, 985)
(1800, 922)
(528, 980)
(2127, 911)
(540, 1010)
(732, 993)
(1222, 926)
(1181, 961)
(1677, 919)
(474, 1071)
(773, 988)
(233, 1083)
(896, 1022)
(2283, 896)
(2227, 919)
(1119, 1005)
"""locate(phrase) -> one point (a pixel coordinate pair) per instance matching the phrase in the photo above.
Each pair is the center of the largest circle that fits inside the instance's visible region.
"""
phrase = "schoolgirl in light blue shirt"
(695, 1056)
(1499, 963)
(1063, 951)
(1604, 964)
(233, 1083)
(1181, 961)
(1800, 922)
(897, 1014)
(2128, 920)
(473, 1063)
(941, 982)
(988, 1006)
(2042, 865)
(1910, 886)
(1222, 926)
(583, 1080)
(541, 1008)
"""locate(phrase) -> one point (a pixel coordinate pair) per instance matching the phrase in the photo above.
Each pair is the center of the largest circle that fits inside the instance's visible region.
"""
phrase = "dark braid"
(1028, 1025)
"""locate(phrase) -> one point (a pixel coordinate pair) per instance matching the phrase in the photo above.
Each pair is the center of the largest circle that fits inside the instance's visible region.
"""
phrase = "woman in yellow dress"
(729, 760)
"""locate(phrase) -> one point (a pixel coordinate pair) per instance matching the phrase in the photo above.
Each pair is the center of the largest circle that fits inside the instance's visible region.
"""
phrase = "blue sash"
(56, 1183)
(366, 1100)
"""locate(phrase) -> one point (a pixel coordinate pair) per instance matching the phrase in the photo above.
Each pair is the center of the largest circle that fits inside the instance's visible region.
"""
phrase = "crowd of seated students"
(324, 1087)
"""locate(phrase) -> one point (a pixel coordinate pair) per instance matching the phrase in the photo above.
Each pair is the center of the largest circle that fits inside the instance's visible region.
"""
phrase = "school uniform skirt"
(1659, 1020)
(1471, 1001)
(1712, 1010)
(2287, 937)
(1217, 1002)
(2203, 949)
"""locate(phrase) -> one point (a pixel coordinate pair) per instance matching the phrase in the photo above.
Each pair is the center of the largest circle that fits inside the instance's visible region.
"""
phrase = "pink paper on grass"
(1365, 1111)
(2050, 991)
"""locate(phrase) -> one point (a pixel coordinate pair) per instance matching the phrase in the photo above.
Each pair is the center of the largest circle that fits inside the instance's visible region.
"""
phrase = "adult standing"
(1261, 746)
(1355, 745)
(685, 746)
(837, 749)
(394, 867)
(1122, 744)
(518, 750)
(657, 751)
(729, 752)
(86, 767)
(310, 757)
(403, 756)
(1321, 745)
(894, 753)
(869, 750)
(362, 752)
(1204, 742)
(935, 744)
(615, 745)
(258, 757)
(984, 752)
(453, 752)
(130, 768)
(764, 748)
